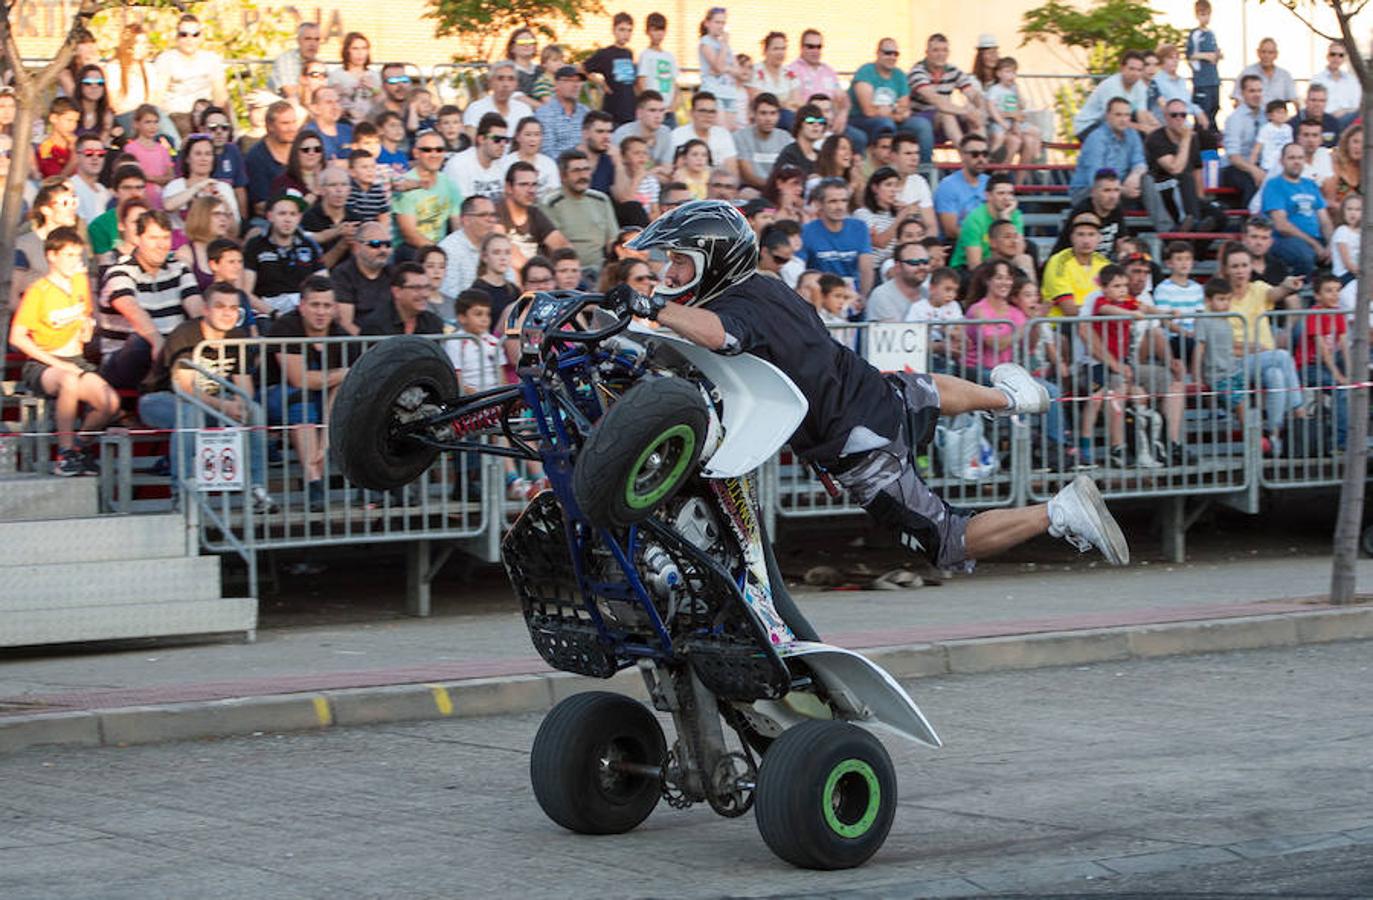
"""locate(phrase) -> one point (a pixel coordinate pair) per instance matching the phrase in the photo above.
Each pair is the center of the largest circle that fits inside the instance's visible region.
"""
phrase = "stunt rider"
(862, 427)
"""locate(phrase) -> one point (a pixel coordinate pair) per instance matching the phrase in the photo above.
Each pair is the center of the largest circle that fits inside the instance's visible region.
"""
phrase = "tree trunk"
(21, 156)
(1349, 523)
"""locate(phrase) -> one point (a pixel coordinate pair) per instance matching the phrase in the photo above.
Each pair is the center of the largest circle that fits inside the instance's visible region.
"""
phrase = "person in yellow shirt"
(51, 327)
(1269, 366)
(1070, 275)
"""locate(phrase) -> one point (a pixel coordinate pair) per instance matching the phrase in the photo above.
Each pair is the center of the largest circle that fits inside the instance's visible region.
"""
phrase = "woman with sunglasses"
(53, 207)
(303, 165)
(356, 83)
(636, 273)
(87, 53)
(93, 101)
(197, 179)
(207, 219)
(521, 50)
(809, 132)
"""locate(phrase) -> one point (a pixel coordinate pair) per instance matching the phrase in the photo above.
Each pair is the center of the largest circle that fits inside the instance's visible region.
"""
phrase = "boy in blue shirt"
(1202, 55)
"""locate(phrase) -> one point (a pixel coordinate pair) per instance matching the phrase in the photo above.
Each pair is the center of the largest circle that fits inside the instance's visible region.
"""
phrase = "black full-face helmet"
(718, 239)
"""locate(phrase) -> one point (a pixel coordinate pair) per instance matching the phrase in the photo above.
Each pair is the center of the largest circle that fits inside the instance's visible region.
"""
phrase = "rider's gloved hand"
(624, 297)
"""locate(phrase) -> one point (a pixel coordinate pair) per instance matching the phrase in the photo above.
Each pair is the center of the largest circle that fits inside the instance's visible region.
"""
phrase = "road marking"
(323, 712)
(442, 701)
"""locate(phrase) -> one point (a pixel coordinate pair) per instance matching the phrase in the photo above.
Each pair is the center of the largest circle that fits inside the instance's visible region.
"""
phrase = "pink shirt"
(819, 79)
(981, 351)
(156, 162)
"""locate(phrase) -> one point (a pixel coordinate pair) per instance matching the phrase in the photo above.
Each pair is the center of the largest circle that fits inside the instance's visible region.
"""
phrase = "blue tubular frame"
(550, 408)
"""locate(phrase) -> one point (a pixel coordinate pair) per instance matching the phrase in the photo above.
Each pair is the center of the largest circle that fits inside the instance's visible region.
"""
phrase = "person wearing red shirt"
(1323, 352)
(56, 154)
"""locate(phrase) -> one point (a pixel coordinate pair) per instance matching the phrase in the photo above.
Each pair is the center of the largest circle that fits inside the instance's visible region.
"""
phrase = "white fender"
(762, 407)
(863, 691)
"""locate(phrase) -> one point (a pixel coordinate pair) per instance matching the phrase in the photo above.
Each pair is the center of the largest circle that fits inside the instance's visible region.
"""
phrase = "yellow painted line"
(442, 701)
(323, 712)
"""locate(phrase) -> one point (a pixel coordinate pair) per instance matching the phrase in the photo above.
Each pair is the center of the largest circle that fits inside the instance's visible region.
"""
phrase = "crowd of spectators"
(356, 204)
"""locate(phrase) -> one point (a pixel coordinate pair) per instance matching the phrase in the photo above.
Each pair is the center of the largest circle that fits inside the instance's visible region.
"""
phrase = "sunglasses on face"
(890, 52)
(378, 243)
(525, 42)
(814, 46)
(430, 149)
(498, 138)
(975, 153)
(1177, 115)
(313, 148)
(814, 120)
(316, 74)
(916, 261)
(398, 79)
(221, 126)
(189, 33)
(92, 81)
(94, 151)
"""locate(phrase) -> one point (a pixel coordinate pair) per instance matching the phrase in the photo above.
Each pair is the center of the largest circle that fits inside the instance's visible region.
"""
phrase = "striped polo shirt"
(160, 293)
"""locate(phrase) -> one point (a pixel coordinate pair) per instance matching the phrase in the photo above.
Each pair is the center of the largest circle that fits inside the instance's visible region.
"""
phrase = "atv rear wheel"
(641, 452)
(398, 378)
(826, 795)
(573, 763)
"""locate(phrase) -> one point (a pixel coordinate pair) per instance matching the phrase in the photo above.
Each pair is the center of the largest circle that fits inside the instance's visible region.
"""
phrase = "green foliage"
(482, 26)
(1101, 32)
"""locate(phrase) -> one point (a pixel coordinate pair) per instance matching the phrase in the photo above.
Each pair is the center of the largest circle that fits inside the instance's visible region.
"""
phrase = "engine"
(696, 521)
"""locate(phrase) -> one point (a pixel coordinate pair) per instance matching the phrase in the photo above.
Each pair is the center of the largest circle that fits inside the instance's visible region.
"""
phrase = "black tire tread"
(636, 418)
(792, 774)
(359, 417)
(555, 769)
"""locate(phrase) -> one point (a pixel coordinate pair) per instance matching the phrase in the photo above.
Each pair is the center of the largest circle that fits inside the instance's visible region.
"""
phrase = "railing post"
(417, 578)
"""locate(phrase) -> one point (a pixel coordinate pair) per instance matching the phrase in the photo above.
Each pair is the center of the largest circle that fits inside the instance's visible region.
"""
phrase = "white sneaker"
(1079, 516)
(1026, 394)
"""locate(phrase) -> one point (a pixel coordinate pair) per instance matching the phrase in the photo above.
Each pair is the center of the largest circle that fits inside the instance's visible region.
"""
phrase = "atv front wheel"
(826, 795)
(575, 765)
(398, 379)
(641, 452)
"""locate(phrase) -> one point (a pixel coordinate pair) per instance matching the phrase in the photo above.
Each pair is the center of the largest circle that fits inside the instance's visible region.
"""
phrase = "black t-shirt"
(181, 344)
(1159, 144)
(365, 294)
(771, 321)
(281, 270)
(501, 297)
(792, 155)
(1274, 272)
(1112, 227)
(616, 66)
(386, 320)
(317, 356)
(530, 237)
(316, 220)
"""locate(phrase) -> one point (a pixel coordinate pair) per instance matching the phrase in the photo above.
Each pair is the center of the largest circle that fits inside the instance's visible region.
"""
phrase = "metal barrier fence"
(1310, 449)
(286, 454)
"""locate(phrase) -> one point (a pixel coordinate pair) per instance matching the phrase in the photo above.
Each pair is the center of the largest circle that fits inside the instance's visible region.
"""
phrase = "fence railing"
(1179, 437)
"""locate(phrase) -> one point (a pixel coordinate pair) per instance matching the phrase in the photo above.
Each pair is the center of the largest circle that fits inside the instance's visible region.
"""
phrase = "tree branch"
(1291, 6)
(1357, 62)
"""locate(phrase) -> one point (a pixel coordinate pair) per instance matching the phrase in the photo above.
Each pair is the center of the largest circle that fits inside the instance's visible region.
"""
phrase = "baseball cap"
(294, 196)
(986, 42)
(1084, 220)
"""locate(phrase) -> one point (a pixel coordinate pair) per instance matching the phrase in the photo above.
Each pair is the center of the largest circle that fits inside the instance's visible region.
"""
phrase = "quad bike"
(649, 551)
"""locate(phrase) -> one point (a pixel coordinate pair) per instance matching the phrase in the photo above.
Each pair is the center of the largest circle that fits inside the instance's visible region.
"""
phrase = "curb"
(514, 694)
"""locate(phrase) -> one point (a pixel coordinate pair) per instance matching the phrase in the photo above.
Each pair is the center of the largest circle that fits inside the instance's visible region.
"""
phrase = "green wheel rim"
(851, 799)
(661, 485)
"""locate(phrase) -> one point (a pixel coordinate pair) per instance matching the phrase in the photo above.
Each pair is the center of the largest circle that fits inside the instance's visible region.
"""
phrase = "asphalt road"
(1245, 774)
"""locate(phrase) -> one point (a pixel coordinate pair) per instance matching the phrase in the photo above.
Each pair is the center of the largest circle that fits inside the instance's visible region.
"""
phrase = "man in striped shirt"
(143, 297)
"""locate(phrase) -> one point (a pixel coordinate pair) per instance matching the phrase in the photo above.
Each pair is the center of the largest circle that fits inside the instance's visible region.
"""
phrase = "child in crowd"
(492, 269)
(1215, 360)
(834, 301)
(658, 67)
(567, 270)
(56, 154)
(1273, 136)
(1344, 243)
(1005, 110)
(940, 306)
(808, 286)
(1108, 364)
(939, 252)
(51, 327)
(421, 113)
(225, 259)
(368, 197)
(149, 148)
(1180, 295)
(391, 151)
(1322, 354)
(435, 262)
(1203, 54)
(448, 124)
(476, 354)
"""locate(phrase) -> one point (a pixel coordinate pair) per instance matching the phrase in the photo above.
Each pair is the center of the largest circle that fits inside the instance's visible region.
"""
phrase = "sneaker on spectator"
(70, 462)
(518, 489)
(1079, 515)
(263, 503)
(1019, 386)
(162, 468)
(1118, 458)
(89, 464)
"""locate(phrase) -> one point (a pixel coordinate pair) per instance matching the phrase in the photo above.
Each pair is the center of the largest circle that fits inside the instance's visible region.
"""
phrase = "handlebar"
(542, 316)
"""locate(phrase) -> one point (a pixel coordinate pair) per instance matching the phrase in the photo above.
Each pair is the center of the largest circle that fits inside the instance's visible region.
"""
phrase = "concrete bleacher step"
(162, 619)
(107, 584)
(25, 497)
(92, 539)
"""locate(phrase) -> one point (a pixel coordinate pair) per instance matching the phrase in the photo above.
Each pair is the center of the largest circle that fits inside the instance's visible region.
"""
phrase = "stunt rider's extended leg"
(882, 478)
